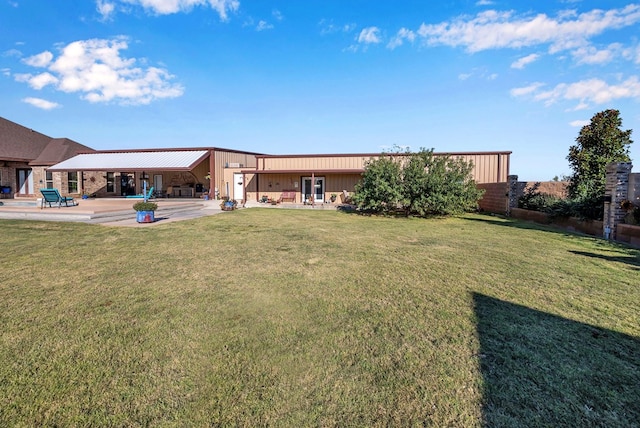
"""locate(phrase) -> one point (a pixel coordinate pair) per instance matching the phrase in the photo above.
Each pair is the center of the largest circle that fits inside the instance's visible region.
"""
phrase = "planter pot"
(145, 216)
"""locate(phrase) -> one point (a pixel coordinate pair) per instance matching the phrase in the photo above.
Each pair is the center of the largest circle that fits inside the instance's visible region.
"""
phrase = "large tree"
(599, 143)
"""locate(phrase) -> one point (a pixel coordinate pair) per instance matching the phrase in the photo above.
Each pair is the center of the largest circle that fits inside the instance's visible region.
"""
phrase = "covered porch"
(300, 186)
(171, 173)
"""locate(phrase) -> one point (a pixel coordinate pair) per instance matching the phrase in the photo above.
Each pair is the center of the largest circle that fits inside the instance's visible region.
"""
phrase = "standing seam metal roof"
(133, 161)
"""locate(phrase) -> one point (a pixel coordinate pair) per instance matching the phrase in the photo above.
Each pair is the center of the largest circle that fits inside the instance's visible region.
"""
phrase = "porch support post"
(244, 189)
(313, 189)
(212, 173)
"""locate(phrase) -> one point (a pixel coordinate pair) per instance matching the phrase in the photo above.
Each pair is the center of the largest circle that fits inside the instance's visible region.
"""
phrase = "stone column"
(512, 182)
(616, 191)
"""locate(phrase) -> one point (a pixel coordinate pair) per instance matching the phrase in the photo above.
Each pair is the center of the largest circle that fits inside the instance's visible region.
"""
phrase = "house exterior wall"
(272, 185)
(8, 178)
(312, 162)
(225, 162)
(489, 167)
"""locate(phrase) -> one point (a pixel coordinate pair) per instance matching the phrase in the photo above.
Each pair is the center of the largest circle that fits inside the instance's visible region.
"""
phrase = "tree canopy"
(599, 143)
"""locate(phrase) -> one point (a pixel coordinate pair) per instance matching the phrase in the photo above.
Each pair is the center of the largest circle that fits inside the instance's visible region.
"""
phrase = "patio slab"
(108, 211)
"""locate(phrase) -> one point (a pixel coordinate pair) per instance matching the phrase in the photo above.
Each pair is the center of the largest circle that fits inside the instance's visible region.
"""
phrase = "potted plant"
(145, 211)
(333, 197)
(228, 204)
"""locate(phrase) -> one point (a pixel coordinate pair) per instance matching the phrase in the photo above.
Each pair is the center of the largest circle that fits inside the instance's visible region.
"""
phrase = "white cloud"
(277, 15)
(328, 27)
(12, 53)
(524, 61)
(41, 60)
(167, 7)
(40, 103)
(263, 25)
(579, 123)
(592, 55)
(632, 54)
(95, 69)
(5, 72)
(580, 106)
(478, 73)
(493, 30)
(526, 90)
(398, 40)
(595, 91)
(484, 3)
(38, 81)
(347, 28)
(105, 8)
(369, 35)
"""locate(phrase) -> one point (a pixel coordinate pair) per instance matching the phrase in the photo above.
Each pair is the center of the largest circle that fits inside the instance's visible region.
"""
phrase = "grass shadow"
(633, 260)
(544, 370)
(524, 224)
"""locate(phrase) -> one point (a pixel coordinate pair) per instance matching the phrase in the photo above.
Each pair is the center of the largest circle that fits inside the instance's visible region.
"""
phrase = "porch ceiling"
(134, 161)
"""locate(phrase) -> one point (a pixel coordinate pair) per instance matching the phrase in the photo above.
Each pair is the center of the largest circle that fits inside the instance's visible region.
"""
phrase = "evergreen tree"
(598, 144)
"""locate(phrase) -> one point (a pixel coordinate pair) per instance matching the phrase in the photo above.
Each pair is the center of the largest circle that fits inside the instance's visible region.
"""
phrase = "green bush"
(536, 201)
(145, 206)
(418, 184)
(379, 189)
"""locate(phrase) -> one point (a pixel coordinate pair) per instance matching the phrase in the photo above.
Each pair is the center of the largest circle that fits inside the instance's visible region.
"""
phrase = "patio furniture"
(52, 196)
(149, 195)
(5, 192)
(289, 195)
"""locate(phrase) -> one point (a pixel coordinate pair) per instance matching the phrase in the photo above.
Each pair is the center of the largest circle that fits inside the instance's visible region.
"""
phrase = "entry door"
(317, 189)
(127, 184)
(25, 182)
(157, 183)
(238, 186)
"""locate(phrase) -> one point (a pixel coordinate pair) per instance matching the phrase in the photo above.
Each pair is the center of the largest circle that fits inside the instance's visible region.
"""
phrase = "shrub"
(379, 189)
(145, 206)
(536, 201)
(419, 184)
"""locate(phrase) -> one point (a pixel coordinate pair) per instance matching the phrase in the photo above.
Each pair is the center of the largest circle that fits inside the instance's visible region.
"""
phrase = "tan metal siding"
(223, 174)
(487, 167)
(314, 162)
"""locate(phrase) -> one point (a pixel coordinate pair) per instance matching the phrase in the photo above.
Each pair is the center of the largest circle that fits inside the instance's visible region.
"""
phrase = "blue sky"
(323, 76)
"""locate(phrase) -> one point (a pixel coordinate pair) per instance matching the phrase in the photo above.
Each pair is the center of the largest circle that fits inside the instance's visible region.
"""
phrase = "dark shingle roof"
(18, 143)
(59, 149)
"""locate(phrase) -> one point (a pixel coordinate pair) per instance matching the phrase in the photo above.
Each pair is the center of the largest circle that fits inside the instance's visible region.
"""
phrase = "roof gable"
(20, 143)
(58, 150)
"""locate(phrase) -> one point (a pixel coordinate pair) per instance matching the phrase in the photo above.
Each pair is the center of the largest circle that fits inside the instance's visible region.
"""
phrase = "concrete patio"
(119, 211)
(108, 211)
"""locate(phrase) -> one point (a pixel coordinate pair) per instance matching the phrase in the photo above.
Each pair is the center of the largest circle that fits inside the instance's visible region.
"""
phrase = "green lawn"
(312, 318)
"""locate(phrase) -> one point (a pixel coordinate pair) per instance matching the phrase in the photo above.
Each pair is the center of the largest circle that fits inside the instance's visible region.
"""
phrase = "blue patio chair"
(52, 196)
